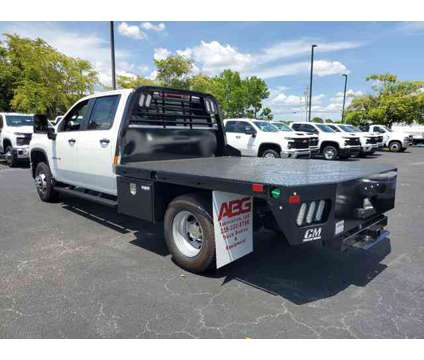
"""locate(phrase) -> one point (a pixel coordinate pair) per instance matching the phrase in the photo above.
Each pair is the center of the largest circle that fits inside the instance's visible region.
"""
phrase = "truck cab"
(288, 132)
(83, 149)
(395, 141)
(15, 135)
(263, 139)
(369, 142)
(332, 145)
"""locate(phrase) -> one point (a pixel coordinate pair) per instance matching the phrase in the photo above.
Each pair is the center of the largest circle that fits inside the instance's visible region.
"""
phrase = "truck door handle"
(72, 141)
(104, 141)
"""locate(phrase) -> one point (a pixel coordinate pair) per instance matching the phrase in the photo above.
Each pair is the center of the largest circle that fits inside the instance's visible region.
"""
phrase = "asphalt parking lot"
(77, 270)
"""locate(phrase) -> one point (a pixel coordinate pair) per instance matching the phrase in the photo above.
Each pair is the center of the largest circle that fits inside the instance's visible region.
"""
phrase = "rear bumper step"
(368, 236)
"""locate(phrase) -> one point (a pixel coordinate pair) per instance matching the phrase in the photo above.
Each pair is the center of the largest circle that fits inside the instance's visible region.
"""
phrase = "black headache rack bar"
(164, 107)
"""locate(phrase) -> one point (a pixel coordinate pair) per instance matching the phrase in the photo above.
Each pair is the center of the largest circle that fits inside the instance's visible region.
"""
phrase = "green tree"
(256, 91)
(174, 71)
(128, 82)
(231, 94)
(317, 119)
(45, 80)
(393, 101)
(7, 79)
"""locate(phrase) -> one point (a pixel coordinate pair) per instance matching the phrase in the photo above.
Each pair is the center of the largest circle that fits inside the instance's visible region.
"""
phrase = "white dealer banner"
(233, 225)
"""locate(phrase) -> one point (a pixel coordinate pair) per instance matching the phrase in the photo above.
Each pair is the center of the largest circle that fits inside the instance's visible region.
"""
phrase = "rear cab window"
(103, 113)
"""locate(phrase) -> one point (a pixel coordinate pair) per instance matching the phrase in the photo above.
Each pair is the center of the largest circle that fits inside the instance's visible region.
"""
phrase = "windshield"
(324, 128)
(335, 128)
(19, 120)
(349, 128)
(282, 127)
(266, 126)
(387, 129)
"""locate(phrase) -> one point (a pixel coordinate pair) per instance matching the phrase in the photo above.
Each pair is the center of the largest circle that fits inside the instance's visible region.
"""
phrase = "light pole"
(112, 54)
(344, 96)
(310, 81)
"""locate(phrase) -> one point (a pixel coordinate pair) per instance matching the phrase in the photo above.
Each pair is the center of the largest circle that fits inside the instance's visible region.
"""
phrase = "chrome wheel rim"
(329, 154)
(187, 233)
(395, 147)
(269, 156)
(41, 183)
(8, 156)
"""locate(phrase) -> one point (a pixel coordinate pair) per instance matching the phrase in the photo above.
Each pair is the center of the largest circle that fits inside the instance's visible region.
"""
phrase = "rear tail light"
(301, 214)
(312, 212)
(320, 211)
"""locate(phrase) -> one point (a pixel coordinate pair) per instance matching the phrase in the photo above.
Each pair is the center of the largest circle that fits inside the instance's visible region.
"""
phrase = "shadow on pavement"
(299, 274)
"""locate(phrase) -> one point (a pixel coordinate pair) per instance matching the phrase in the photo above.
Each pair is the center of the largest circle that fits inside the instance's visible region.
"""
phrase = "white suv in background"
(288, 132)
(261, 138)
(15, 135)
(369, 142)
(332, 145)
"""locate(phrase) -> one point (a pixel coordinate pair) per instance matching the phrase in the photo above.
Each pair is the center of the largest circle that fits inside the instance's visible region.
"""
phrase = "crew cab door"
(64, 148)
(382, 131)
(240, 135)
(97, 144)
(2, 121)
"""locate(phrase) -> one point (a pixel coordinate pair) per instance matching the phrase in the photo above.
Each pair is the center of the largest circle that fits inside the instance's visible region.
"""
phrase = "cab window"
(75, 118)
(103, 113)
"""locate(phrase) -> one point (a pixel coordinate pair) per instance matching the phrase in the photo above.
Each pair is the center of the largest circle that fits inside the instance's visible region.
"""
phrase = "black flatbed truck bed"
(309, 180)
(235, 173)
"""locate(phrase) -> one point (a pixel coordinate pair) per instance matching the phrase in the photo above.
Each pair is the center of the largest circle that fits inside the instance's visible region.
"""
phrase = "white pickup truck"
(160, 155)
(15, 136)
(369, 142)
(332, 145)
(395, 141)
(414, 131)
(288, 131)
(262, 139)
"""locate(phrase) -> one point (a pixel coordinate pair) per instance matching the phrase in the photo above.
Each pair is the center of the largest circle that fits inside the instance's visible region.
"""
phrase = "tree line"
(392, 101)
(36, 78)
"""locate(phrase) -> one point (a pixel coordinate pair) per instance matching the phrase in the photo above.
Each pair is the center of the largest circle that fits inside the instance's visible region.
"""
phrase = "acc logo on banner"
(233, 226)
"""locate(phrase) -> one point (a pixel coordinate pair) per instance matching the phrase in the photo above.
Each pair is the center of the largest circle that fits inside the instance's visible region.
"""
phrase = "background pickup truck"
(161, 155)
(332, 145)
(395, 141)
(15, 136)
(369, 142)
(263, 139)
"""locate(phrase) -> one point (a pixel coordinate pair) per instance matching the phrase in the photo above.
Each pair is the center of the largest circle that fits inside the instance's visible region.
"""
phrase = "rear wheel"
(189, 232)
(395, 146)
(44, 183)
(10, 157)
(330, 152)
(270, 153)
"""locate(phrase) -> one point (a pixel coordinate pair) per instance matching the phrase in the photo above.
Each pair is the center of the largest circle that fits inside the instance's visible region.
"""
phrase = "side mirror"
(41, 124)
(51, 133)
(250, 131)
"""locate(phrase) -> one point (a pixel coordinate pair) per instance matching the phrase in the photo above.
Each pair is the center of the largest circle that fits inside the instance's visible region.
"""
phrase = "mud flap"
(233, 226)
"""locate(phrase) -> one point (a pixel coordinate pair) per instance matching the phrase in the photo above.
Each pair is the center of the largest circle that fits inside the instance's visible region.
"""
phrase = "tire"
(44, 183)
(10, 158)
(190, 253)
(270, 153)
(330, 152)
(395, 146)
